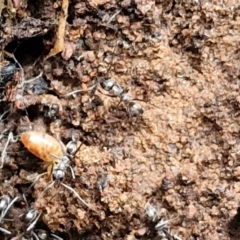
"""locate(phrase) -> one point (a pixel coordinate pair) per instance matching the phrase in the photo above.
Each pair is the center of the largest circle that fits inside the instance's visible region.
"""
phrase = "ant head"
(107, 84)
(30, 215)
(58, 175)
(135, 109)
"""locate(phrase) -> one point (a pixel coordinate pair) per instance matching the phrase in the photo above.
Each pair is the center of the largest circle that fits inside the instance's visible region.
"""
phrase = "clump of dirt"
(169, 172)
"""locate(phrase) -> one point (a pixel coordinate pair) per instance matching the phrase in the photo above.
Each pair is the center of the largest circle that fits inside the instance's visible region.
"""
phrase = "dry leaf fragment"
(59, 44)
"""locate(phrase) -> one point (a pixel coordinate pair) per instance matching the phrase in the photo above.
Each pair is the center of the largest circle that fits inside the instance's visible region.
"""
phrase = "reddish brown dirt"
(177, 162)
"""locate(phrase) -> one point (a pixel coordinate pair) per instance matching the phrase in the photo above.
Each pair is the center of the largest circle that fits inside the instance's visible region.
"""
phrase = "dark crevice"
(26, 51)
(35, 8)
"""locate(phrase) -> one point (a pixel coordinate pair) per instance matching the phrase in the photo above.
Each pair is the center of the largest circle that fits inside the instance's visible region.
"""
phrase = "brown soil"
(175, 164)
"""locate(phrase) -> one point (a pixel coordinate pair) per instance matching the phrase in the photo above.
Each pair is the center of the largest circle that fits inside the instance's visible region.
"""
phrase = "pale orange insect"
(53, 152)
(44, 146)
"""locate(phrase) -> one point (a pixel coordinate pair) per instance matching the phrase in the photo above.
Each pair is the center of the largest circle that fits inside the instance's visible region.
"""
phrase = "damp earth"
(145, 95)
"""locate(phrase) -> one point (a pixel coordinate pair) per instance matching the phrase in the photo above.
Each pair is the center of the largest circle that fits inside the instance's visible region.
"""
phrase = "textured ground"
(178, 162)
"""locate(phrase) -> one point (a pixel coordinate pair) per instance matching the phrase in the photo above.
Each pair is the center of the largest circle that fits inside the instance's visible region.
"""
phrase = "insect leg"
(81, 90)
(35, 236)
(4, 202)
(4, 154)
(5, 230)
(18, 237)
(76, 194)
(56, 237)
(48, 187)
(37, 178)
(72, 172)
(32, 79)
(4, 212)
(1, 117)
(31, 226)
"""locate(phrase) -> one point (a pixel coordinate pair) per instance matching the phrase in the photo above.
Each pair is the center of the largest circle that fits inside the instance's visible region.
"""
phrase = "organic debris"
(143, 106)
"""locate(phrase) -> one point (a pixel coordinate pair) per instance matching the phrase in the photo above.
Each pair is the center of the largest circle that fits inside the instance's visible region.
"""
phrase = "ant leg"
(18, 237)
(57, 157)
(3, 214)
(75, 193)
(72, 172)
(50, 170)
(4, 153)
(31, 226)
(81, 90)
(1, 117)
(32, 79)
(5, 231)
(62, 145)
(25, 200)
(35, 236)
(120, 101)
(56, 237)
(4, 202)
(48, 187)
(37, 178)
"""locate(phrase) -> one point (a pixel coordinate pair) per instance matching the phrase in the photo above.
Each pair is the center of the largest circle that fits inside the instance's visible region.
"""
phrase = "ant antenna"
(57, 157)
